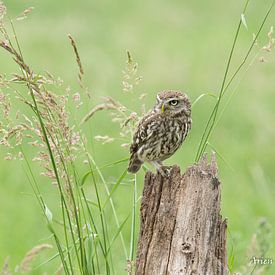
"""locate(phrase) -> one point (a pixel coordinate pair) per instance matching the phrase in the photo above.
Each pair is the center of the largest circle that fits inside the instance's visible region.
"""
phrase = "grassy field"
(180, 45)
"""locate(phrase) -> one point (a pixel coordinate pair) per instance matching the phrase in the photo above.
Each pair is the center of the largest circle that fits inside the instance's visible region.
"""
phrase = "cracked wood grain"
(182, 231)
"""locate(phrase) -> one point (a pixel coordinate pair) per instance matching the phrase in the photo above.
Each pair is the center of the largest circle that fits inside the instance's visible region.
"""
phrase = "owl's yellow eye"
(173, 102)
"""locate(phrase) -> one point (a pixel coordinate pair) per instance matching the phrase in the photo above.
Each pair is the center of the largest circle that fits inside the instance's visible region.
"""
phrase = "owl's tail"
(134, 164)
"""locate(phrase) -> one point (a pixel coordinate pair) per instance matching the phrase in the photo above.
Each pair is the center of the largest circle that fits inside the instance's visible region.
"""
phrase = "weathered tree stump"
(182, 231)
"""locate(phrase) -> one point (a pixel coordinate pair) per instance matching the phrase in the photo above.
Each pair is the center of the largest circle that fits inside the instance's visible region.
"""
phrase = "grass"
(187, 50)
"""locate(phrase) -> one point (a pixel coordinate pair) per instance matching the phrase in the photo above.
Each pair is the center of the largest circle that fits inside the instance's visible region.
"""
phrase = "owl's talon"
(165, 171)
(162, 172)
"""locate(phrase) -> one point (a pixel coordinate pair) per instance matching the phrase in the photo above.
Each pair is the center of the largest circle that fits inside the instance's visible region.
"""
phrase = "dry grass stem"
(25, 265)
(100, 107)
(5, 269)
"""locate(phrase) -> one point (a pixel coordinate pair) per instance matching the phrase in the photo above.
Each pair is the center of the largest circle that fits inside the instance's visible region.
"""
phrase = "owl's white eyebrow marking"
(158, 99)
(173, 98)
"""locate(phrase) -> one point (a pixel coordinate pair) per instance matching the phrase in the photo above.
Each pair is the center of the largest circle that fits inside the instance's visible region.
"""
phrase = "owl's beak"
(162, 108)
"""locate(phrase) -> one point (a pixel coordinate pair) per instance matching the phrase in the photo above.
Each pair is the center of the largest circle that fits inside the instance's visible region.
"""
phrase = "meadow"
(181, 45)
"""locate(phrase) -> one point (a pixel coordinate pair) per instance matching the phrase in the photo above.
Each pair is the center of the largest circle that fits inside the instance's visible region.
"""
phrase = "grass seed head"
(3, 11)
(25, 13)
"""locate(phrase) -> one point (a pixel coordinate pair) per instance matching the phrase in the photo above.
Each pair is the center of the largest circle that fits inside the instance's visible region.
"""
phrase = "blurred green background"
(180, 45)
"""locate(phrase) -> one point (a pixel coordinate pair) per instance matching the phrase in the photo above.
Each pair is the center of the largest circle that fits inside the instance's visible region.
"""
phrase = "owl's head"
(173, 102)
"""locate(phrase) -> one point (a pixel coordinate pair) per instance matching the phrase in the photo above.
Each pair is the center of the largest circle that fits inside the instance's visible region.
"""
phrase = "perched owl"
(161, 132)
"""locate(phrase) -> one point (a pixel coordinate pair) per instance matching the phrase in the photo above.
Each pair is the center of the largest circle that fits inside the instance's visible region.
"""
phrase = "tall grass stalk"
(133, 224)
(111, 201)
(82, 248)
(32, 86)
(224, 87)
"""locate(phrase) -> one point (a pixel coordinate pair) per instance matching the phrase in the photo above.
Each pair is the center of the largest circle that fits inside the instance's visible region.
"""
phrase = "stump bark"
(182, 231)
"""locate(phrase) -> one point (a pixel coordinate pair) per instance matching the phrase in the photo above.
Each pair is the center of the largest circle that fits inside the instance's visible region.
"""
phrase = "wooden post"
(182, 231)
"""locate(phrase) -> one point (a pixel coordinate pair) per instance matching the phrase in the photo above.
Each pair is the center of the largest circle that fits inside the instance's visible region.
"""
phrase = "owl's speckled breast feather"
(158, 136)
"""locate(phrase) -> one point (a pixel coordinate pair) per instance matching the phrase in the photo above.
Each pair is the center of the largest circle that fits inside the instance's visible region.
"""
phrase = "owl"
(161, 132)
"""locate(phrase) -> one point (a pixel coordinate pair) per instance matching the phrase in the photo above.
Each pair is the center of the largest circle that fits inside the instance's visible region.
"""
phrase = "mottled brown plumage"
(161, 132)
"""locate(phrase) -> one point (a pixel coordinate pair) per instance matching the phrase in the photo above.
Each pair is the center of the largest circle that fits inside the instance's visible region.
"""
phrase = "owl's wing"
(147, 128)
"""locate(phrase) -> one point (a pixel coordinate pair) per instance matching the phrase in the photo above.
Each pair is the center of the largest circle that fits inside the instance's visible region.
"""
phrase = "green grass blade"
(114, 188)
(202, 96)
(111, 203)
(118, 232)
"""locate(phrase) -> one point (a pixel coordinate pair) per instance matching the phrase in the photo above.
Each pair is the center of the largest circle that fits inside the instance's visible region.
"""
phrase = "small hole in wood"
(186, 247)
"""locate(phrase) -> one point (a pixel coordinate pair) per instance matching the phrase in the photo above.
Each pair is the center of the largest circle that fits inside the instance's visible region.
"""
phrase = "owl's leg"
(161, 168)
(158, 166)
